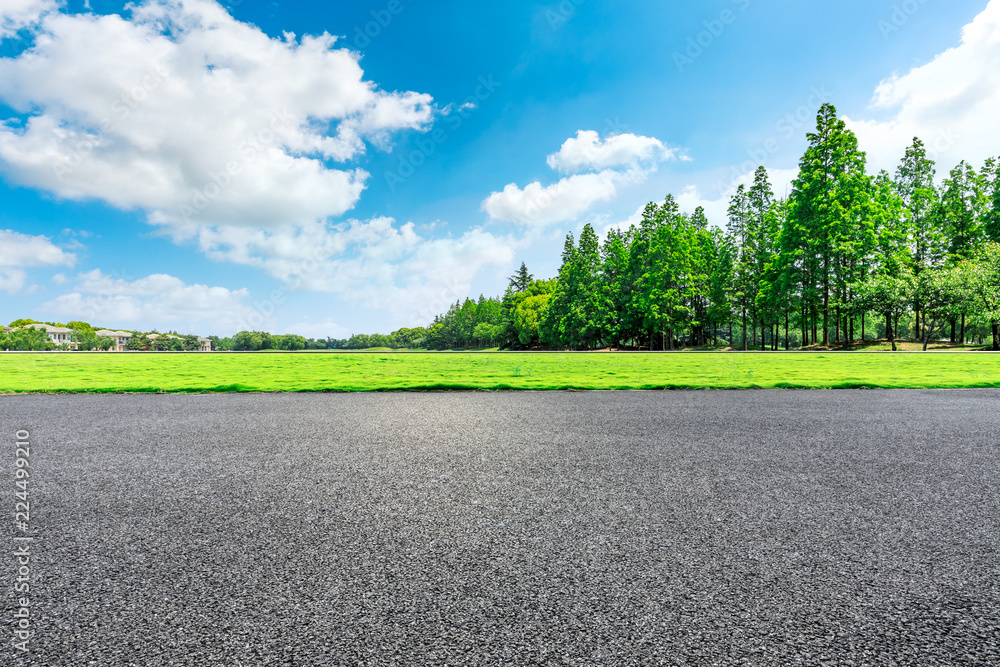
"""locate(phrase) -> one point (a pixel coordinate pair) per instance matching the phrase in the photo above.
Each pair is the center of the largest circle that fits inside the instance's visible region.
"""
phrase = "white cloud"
(373, 263)
(717, 209)
(13, 281)
(537, 205)
(19, 251)
(622, 159)
(623, 225)
(587, 152)
(17, 15)
(951, 103)
(201, 120)
(157, 301)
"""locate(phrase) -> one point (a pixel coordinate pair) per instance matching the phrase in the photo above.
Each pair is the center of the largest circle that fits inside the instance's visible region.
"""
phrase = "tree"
(25, 340)
(519, 281)
(576, 315)
(85, 338)
(515, 324)
(944, 294)
(831, 205)
(743, 290)
(991, 187)
(614, 288)
(139, 342)
(981, 275)
(962, 208)
(915, 186)
(889, 295)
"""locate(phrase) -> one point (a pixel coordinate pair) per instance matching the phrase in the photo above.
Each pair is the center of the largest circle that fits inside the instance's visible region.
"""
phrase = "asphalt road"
(638, 528)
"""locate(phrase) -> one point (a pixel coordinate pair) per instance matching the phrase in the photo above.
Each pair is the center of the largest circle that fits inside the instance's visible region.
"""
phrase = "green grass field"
(345, 371)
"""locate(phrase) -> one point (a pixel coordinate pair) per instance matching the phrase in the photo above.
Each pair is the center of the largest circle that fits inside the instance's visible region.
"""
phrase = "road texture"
(631, 528)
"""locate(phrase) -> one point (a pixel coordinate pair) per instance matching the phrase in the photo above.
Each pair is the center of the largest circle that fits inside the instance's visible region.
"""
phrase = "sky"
(329, 168)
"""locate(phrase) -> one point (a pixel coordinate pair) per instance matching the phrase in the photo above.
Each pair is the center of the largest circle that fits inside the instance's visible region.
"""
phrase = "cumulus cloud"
(20, 251)
(952, 103)
(717, 207)
(16, 15)
(157, 301)
(621, 158)
(180, 110)
(538, 205)
(587, 152)
(374, 263)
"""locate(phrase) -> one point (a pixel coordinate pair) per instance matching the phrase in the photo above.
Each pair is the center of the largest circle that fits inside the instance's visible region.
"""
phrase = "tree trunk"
(786, 330)
(916, 326)
(815, 324)
(996, 335)
(927, 336)
(888, 331)
(951, 338)
(826, 307)
(805, 327)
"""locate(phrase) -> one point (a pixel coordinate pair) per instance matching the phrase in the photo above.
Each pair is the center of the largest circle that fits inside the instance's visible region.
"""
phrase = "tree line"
(847, 255)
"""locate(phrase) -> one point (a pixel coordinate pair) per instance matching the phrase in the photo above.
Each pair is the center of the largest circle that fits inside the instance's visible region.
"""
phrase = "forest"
(847, 256)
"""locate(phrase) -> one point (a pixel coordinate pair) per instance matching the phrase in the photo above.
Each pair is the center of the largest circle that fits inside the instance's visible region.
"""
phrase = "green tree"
(981, 276)
(889, 295)
(991, 185)
(944, 294)
(614, 287)
(831, 206)
(520, 281)
(915, 186)
(963, 206)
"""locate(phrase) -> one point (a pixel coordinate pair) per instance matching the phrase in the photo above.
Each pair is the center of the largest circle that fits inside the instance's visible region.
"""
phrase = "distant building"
(58, 335)
(120, 338)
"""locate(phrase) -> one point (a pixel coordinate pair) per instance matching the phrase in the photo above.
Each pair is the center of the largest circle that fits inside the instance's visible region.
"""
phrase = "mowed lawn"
(346, 371)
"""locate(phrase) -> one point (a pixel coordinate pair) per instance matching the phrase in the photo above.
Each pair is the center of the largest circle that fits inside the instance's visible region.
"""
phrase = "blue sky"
(206, 168)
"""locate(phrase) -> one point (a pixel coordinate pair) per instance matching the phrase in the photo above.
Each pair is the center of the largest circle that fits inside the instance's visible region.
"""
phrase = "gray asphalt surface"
(639, 528)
